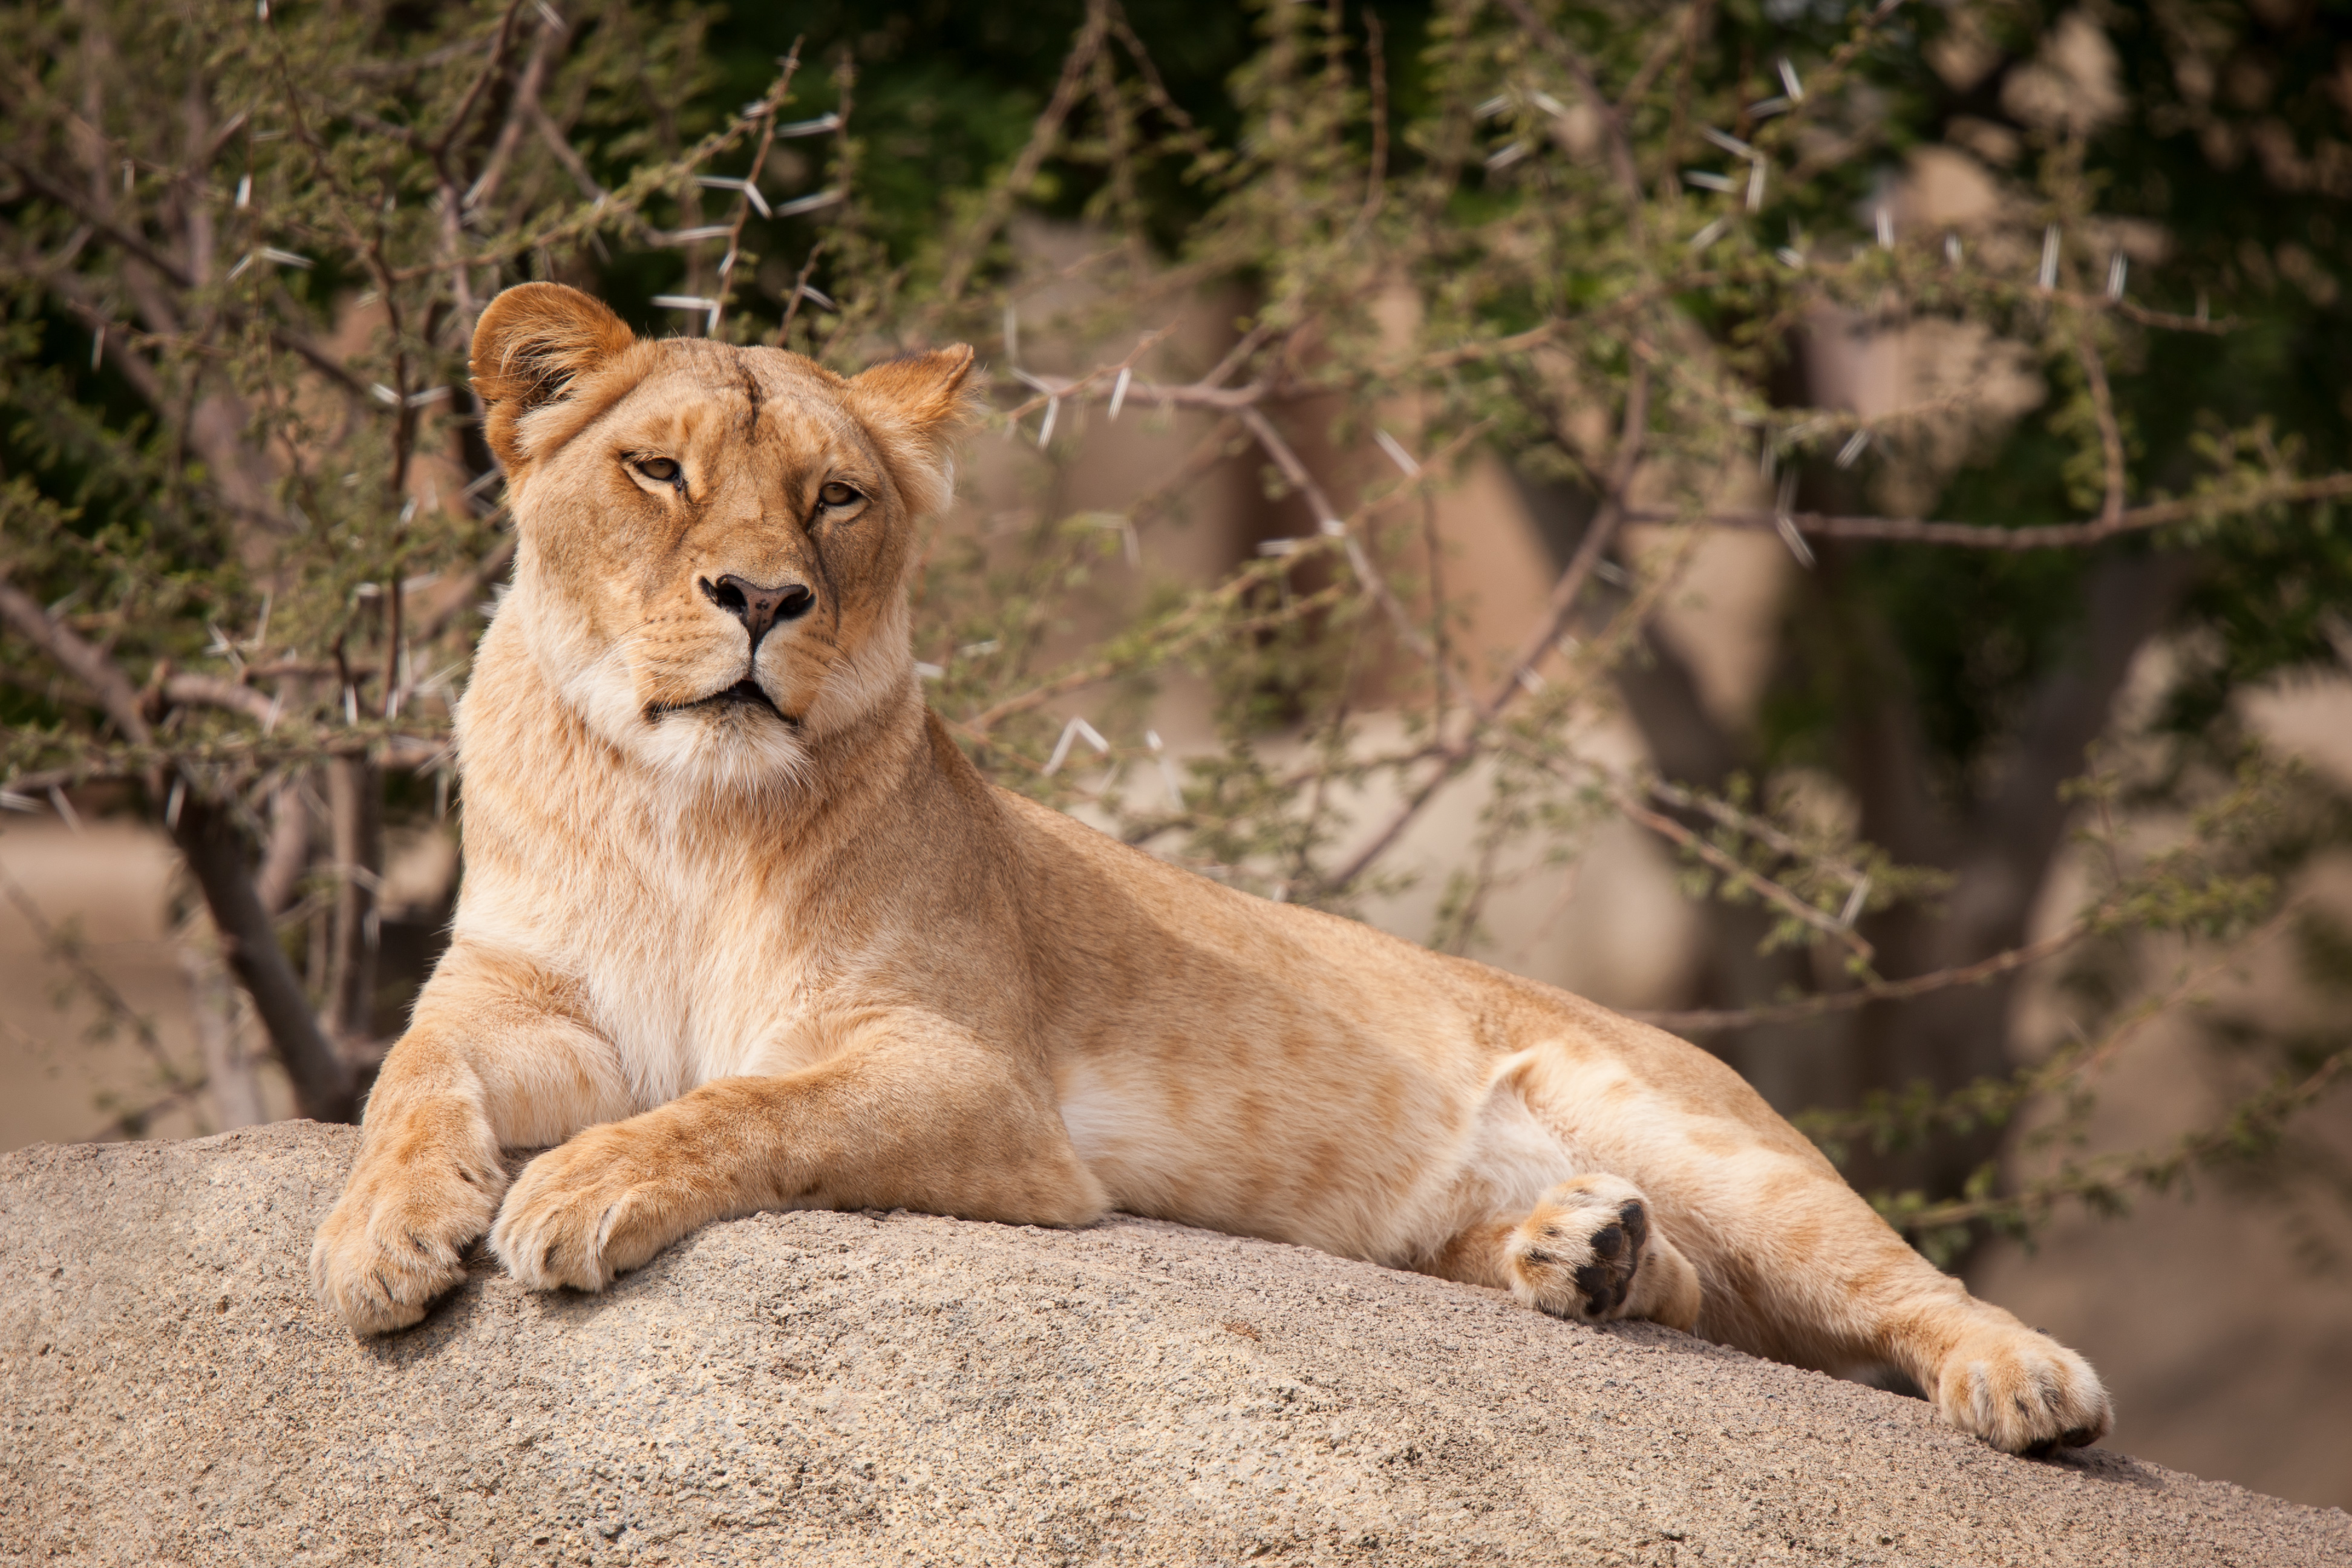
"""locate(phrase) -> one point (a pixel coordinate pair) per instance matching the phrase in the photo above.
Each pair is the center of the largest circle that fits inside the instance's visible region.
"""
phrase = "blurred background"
(1814, 525)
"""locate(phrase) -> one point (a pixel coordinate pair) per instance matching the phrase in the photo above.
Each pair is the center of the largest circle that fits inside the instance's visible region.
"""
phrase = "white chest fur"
(687, 958)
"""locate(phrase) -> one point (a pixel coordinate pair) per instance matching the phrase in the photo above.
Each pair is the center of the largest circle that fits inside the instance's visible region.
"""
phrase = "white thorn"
(1167, 768)
(1118, 390)
(1076, 729)
(1397, 454)
(1731, 144)
(1788, 525)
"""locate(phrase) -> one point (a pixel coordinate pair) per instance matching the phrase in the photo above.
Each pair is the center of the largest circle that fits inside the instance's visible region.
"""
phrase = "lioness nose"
(757, 607)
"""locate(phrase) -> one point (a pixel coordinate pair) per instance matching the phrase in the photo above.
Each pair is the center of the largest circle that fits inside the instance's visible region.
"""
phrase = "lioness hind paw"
(1580, 1253)
(2022, 1392)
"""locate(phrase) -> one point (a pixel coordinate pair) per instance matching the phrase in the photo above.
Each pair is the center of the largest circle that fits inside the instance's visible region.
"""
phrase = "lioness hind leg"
(1591, 1250)
(1797, 1266)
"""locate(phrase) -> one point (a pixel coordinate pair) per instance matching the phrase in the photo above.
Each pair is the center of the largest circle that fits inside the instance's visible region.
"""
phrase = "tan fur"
(730, 957)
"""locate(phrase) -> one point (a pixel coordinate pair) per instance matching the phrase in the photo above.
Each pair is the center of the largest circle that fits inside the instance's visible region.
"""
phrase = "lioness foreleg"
(494, 1058)
(910, 1120)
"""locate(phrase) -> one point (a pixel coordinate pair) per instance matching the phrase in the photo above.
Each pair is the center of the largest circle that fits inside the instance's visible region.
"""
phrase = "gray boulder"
(810, 1388)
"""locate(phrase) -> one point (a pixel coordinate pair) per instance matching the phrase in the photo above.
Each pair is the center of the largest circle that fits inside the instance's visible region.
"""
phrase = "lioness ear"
(532, 342)
(917, 404)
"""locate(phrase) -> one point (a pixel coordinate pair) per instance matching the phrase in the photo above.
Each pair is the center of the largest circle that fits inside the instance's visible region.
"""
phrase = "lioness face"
(715, 539)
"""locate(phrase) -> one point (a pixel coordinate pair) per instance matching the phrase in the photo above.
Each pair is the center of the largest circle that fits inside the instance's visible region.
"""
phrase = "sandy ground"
(865, 1388)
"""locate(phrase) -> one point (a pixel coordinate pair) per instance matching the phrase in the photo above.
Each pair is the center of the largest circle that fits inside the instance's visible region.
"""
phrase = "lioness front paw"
(398, 1238)
(584, 1212)
(2021, 1391)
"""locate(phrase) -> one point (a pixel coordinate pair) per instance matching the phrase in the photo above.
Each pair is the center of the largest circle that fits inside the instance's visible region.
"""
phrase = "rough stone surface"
(813, 1388)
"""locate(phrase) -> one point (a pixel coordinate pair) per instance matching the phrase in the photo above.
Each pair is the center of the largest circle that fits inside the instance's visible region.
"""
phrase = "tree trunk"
(356, 796)
(323, 1084)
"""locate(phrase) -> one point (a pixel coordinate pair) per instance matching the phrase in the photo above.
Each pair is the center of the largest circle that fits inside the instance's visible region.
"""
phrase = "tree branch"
(132, 245)
(1709, 1020)
(1665, 827)
(2111, 435)
(1612, 124)
(114, 692)
(216, 856)
(2047, 536)
(1571, 586)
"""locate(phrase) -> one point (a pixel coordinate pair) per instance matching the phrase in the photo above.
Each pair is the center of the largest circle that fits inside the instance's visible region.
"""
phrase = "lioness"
(742, 929)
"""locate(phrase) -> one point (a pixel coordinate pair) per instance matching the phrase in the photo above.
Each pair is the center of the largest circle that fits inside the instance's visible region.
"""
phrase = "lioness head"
(713, 541)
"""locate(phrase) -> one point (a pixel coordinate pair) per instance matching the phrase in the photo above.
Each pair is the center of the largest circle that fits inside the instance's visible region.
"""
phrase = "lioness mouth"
(746, 690)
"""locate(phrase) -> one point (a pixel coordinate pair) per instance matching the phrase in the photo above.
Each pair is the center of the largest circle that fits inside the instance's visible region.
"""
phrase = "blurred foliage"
(242, 249)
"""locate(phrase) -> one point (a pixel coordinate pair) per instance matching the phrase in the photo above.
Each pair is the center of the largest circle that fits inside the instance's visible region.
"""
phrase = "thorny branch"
(1578, 291)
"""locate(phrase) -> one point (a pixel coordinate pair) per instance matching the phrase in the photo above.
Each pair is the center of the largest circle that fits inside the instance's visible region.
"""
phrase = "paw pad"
(1578, 1255)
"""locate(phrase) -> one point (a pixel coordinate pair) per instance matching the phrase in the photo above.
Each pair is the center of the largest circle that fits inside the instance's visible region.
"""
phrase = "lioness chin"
(742, 929)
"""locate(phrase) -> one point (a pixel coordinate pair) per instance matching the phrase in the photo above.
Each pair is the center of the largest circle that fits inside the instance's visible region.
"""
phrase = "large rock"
(868, 1388)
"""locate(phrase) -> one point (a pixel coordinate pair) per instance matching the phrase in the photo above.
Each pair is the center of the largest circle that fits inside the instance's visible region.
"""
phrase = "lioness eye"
(661, 470)
(837, 494)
